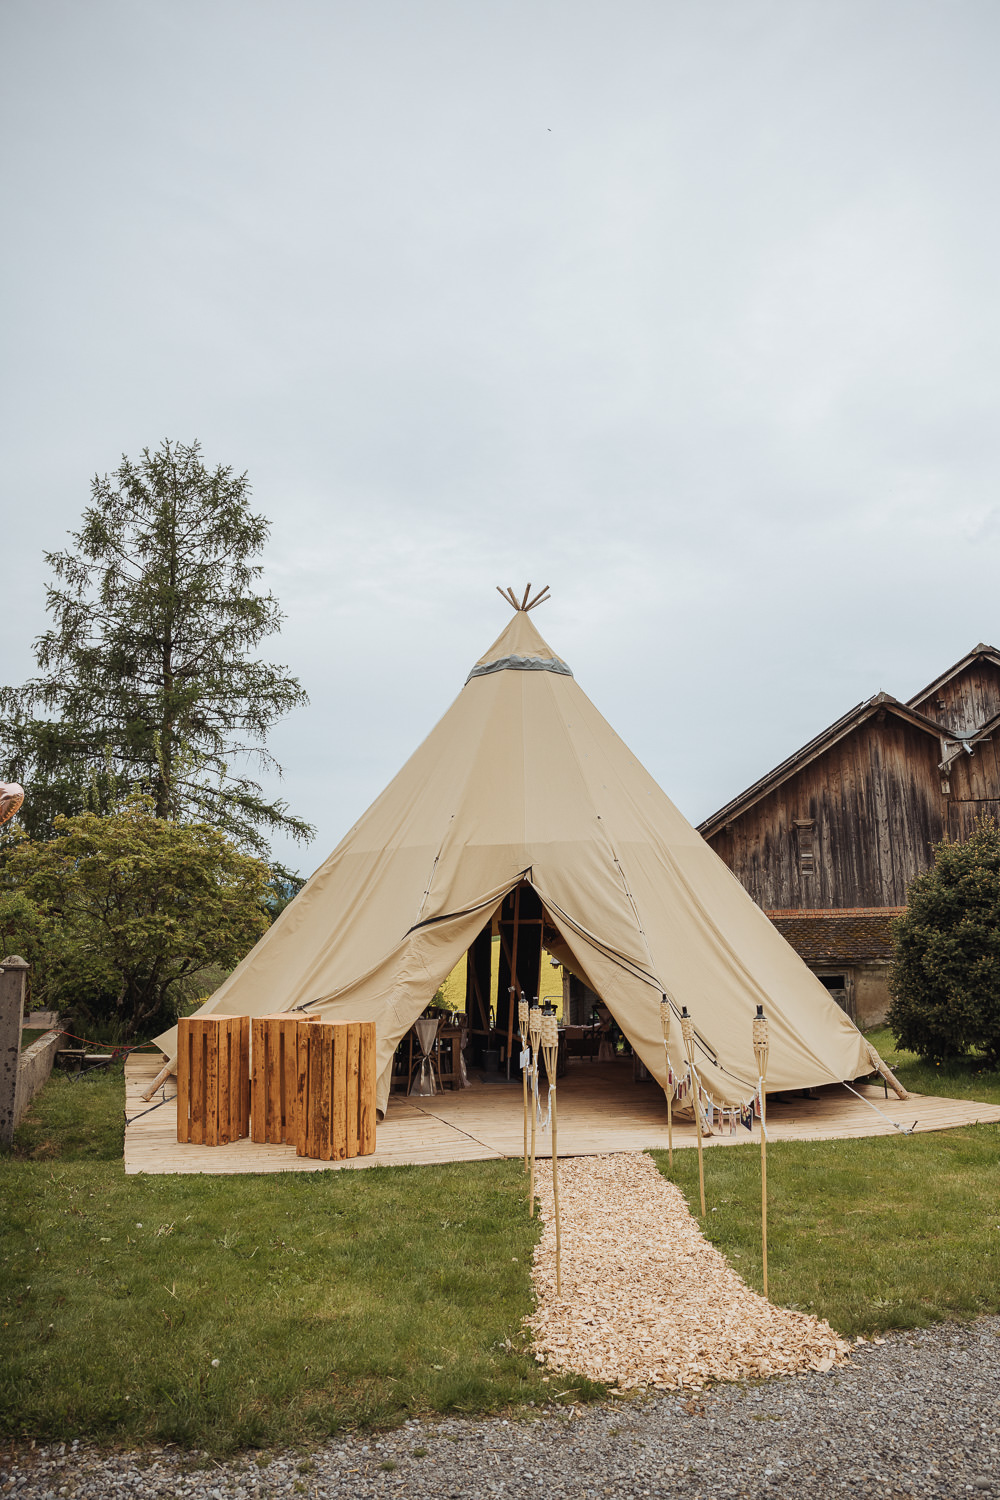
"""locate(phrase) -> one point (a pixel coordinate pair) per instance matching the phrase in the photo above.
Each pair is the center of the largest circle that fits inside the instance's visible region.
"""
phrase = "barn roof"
(851, 936)
(982, 652)
(882, 702)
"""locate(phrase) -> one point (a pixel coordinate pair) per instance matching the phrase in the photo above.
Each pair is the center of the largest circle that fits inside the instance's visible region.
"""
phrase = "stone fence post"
(13, 983)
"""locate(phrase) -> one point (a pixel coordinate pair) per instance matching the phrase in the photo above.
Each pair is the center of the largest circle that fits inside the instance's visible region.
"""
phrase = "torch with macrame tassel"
(760, 1051)
(522, 1026)
(535, 1040)
(670, 1084)
(550, 1052)
(687, 1032)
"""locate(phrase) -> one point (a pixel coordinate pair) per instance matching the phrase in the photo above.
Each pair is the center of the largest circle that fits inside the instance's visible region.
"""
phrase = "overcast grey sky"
(689, 310)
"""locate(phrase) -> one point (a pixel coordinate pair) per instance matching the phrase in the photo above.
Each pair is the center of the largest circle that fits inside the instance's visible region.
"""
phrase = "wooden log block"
(366, 1090)
(244, 1075)
(213, 1091)
(274, 1077)
(213, 1101)
(353, 1075)
(335, 1077)
(184, 1043)
(338, 1096)
(302, 1089)
(197, 1126)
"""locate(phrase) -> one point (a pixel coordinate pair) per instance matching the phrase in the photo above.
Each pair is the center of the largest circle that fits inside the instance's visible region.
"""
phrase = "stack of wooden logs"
(281, 1080)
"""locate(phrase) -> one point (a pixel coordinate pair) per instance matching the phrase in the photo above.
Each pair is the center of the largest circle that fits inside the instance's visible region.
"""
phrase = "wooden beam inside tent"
(478, 967)
(520, 926)
(512, 993)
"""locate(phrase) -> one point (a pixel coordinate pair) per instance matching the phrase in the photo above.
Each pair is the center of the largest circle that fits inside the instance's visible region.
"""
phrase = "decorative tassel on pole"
(550, 1052)
(687, 1032)
(669, 1089)
(522, 1023)
(535, 1039)
(760, 1050)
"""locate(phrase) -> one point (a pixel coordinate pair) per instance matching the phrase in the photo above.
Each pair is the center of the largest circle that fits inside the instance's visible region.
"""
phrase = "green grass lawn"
(889, 1232)
(961, 1078)
(327, 1298)
(334, 1299)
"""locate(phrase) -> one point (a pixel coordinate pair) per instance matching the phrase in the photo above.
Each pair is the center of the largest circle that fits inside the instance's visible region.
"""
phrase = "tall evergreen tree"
(148, 673)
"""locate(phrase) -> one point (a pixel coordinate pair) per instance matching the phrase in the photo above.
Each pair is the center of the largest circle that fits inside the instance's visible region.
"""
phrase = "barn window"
(805, 831)
(841, 989)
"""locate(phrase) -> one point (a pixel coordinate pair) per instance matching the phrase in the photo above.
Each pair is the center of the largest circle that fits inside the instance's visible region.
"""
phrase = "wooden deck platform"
(600, 1110)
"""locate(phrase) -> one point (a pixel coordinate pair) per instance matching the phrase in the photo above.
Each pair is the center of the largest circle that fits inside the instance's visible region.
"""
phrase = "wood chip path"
(646, 1300)
(600, 1110)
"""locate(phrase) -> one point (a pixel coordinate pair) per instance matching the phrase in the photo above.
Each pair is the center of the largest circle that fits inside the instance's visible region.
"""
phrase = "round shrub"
(945, 980)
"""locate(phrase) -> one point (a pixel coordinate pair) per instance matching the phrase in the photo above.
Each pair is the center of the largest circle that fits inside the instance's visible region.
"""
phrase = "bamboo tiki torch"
(687, 1032)
(550, 1052)
(534, 1037)
(664, 1026)
(522, 1023)
(760, 1050)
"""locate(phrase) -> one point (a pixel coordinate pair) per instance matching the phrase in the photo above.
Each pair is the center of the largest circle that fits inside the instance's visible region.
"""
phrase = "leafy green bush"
(945, 980)
(116, 914)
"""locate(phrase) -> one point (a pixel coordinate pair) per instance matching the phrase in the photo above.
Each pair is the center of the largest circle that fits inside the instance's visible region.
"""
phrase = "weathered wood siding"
(967, 701)
(875, 803)
(975, 788)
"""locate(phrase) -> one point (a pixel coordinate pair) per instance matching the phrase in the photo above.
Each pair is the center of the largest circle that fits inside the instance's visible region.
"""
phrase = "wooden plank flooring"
(600, 1110)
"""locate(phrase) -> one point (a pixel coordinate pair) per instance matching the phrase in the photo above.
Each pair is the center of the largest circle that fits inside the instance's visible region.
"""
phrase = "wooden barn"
(829, 841)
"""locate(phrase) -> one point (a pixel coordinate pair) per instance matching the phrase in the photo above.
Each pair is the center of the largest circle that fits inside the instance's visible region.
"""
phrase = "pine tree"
(148, 673)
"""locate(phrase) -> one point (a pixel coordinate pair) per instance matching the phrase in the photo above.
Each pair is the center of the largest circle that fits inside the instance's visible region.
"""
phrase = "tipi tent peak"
(541, 597)
(523, 784)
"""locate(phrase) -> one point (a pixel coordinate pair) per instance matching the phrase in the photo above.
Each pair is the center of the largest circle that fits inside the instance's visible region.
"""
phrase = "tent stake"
(760, 1051)
(687, 1031)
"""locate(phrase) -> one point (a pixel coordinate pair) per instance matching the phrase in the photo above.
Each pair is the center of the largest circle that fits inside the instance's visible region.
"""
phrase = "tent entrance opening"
(520, 952)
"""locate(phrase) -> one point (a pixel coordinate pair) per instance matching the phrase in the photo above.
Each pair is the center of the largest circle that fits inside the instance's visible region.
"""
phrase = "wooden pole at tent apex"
(524, 604)
(760, 1051)
(550, 1051)
(535, 1037)
(687, 1032)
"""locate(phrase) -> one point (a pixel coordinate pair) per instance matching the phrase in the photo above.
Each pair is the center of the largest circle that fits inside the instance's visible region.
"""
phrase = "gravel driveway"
(917, 1415)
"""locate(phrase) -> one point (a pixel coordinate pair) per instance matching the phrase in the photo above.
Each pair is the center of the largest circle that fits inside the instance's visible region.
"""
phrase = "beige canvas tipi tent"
(522, 780)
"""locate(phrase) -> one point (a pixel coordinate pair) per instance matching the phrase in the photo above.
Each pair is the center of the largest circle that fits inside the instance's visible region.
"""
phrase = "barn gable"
(842, 827)
(965, 697)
